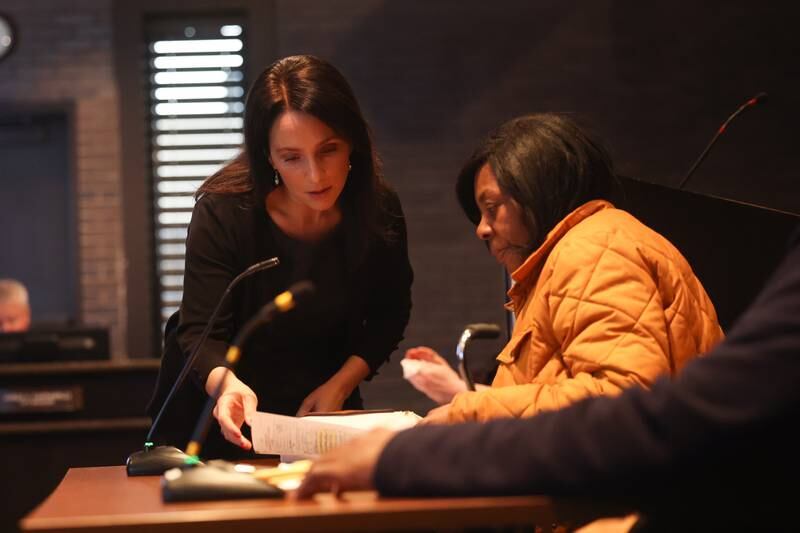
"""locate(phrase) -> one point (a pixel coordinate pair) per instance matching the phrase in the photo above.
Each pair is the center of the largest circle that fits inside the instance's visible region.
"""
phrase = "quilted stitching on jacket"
(605, 303)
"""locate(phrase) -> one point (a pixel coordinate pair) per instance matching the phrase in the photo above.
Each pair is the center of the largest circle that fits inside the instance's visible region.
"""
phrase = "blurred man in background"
(15, 311)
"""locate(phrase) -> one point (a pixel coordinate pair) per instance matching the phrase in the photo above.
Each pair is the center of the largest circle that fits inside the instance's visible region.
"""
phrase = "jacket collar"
(525, 276)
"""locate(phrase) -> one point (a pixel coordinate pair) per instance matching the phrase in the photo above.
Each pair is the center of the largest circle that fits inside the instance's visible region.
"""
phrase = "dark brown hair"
(311, 85)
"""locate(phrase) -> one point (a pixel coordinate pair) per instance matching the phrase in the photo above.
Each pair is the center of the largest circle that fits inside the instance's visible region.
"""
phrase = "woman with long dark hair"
(308, 188)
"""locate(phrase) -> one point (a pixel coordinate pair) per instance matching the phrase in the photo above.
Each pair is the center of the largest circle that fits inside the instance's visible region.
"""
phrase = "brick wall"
(64, 55)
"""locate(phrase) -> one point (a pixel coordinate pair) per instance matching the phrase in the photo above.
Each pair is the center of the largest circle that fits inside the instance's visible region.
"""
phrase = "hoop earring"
(277, 179)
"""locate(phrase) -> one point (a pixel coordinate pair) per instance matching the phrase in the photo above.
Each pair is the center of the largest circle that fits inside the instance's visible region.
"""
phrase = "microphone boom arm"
(282, 303)
(760, 97)
(154, 460)
(187, 367)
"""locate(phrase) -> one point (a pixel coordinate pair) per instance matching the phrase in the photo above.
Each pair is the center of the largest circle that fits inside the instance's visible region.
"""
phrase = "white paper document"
(311, 436)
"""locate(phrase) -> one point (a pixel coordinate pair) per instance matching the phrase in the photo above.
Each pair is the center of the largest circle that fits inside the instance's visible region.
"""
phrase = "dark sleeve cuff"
(393, 463)
(212, 355)
(429, 461)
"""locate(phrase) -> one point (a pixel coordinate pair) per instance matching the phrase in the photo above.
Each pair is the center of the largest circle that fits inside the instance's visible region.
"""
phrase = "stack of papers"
(309, 436)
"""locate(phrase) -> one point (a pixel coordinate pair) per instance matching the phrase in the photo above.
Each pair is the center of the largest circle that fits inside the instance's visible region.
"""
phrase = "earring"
(349, 166)
(277, 179)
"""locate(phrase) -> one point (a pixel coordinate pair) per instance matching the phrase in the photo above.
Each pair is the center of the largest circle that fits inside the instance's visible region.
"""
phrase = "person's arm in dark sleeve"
(631, 443)
(210, 266)
(388, 302)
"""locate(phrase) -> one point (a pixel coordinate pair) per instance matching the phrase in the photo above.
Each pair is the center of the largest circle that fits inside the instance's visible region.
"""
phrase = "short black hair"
(547, 163)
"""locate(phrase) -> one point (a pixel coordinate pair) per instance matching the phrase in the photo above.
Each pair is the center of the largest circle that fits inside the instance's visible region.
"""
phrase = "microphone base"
(155, 461)
(216, 481)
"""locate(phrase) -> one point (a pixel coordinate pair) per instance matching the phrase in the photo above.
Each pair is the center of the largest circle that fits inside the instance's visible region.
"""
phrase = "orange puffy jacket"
(603, 304)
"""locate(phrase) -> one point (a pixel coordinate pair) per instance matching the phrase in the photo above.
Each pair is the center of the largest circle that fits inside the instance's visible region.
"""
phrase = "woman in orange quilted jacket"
(601, 301)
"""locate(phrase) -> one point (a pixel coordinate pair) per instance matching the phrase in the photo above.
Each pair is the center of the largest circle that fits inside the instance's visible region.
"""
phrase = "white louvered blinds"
(196, 104)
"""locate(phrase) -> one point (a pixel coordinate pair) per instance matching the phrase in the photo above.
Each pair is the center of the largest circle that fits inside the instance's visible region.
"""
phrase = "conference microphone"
(760, 97)
(473, 331)
(154, 460)
(285, 301)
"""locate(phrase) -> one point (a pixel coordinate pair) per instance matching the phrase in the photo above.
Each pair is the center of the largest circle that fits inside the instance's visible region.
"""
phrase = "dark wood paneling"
(38, 448)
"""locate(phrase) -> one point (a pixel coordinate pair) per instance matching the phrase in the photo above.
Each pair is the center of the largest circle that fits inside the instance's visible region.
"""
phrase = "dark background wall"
(654, 79)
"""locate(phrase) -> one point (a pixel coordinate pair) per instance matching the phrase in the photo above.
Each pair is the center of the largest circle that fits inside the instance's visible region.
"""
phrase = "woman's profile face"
(312, 160)
(501, 224)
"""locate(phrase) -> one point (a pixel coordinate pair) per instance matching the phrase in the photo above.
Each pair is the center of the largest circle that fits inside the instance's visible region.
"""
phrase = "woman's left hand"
(329, 396)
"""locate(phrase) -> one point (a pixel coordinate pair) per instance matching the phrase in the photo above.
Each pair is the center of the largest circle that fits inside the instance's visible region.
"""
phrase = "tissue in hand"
(412, 367)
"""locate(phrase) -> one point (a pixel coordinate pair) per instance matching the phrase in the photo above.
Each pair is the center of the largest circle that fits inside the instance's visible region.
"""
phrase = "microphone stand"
(154, 460)
(472, 331)
(760, 97)
(222, 480)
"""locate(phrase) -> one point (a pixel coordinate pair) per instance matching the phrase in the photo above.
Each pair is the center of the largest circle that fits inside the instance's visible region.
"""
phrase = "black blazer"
(359, 308)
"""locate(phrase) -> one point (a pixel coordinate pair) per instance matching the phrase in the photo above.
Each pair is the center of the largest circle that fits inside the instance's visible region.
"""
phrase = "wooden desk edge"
(357, 512)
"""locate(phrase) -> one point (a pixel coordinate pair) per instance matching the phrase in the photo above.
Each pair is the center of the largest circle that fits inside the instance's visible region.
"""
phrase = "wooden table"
(105, 499)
